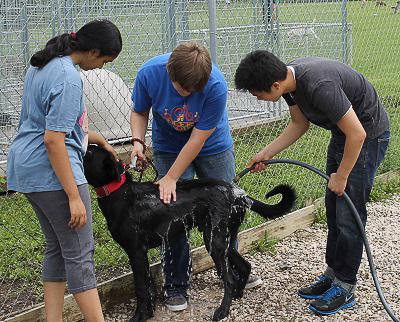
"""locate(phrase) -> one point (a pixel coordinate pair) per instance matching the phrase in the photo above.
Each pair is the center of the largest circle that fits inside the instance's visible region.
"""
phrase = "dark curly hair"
(259, 70)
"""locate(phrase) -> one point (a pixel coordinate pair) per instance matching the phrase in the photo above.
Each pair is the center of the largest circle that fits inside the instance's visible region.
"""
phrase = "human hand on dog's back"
(167, 187)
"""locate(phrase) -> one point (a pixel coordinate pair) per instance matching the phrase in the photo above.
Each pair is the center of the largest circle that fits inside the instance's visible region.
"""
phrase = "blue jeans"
(344, 245)
(177, 264)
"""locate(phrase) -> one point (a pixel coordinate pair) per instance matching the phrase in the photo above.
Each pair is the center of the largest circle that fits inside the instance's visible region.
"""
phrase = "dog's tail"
(279, 209)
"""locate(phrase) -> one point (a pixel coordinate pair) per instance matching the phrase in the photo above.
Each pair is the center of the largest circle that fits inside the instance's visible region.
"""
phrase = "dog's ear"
(119, 170)
(114, 168)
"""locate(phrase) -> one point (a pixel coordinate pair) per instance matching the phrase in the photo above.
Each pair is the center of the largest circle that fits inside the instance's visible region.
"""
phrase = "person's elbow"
(301, 125)
(52, 139)
(360, 135)
(197, 141)
(305, 127)
(199, 137)
(357, 136)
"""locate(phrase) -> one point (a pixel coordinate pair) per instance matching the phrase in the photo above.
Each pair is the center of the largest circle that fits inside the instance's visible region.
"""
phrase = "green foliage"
(385, 190)
(265, 245)
(320, 216)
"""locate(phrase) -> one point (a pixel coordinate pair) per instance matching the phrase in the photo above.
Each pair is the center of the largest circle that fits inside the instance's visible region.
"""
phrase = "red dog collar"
(108, 189)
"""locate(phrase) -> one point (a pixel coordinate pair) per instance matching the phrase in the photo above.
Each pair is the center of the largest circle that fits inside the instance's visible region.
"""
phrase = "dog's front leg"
(143, 285)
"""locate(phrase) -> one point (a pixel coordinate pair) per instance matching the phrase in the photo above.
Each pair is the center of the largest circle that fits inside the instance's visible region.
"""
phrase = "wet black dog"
(138, 220)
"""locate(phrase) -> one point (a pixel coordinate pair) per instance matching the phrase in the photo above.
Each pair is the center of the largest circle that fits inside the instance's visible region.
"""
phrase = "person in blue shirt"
(45, 161)
(190, 135)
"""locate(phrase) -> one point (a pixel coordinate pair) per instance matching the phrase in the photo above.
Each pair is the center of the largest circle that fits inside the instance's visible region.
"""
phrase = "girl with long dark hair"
(45, 161)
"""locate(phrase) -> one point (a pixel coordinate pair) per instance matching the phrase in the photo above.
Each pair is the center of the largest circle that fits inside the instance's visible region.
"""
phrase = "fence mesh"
(363, 34)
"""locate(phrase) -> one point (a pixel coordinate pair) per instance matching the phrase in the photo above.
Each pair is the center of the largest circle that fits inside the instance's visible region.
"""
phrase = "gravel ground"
(298, 260)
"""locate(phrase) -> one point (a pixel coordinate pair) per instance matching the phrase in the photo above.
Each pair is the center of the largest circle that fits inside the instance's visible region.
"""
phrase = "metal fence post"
(212, 8)
(59, 19)
(183, 20)
(85, 9)
(25, 33)
(171, 25)
(68, 16)
(53, 18)
(344, 32)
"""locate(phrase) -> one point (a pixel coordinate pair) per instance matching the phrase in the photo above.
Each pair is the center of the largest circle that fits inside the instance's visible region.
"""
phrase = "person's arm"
(297, 126)
(59, 159)
(96, 138)
(139, 123)
(167, 185)
(355, 134)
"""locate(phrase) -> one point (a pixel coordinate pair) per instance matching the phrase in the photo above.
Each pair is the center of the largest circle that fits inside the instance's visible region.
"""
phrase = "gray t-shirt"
(325, 90)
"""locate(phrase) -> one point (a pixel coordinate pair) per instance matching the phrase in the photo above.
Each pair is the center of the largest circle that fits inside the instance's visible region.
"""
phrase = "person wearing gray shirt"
(335, 97)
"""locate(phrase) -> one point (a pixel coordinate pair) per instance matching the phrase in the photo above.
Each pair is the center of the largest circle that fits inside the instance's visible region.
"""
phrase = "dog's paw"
(140, 317)
(237, 294)
(220, 313)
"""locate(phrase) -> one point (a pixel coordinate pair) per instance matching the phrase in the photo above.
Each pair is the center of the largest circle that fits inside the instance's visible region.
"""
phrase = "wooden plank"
(121, 289)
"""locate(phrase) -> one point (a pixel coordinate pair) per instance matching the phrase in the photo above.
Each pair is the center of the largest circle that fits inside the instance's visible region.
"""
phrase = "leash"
(355, 215)
(145, 164)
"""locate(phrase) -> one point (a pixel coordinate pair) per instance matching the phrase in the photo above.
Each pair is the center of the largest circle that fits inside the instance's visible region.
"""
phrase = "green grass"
(320, 216)
(265, 245)
(382, 191)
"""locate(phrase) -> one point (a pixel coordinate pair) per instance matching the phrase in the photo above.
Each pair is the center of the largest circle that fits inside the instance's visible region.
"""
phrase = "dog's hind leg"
(143, 284)
(207, 237)
(219, 253)
(242, 269)
(239, 265)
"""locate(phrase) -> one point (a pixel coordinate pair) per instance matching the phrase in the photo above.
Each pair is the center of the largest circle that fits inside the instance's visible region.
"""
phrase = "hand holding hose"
(256, 164)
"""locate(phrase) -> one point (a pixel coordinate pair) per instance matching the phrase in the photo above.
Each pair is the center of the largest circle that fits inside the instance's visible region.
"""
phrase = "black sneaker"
(316, 290)
(333, 300)
(176, 302)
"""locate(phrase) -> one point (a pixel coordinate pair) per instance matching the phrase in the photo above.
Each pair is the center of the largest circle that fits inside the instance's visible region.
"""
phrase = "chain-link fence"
(363, 34)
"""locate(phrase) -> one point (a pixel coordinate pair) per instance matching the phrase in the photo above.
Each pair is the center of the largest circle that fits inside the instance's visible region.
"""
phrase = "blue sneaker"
(316, 290)
(332, 301)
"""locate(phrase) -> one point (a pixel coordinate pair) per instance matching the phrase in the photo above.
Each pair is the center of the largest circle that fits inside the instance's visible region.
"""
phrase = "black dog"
(138, 220)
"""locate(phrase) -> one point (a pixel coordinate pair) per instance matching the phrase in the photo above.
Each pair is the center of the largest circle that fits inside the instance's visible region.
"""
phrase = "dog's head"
(100, 166)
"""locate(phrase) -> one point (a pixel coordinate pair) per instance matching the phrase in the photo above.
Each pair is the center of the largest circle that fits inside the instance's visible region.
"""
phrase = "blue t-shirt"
(175, 116)
(52, 100)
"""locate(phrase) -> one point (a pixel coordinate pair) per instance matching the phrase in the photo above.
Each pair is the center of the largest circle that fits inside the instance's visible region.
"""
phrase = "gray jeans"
(69, 252)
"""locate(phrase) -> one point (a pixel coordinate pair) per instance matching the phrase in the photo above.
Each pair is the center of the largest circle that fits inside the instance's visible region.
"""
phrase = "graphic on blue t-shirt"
(174, 116)
(180, 118)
